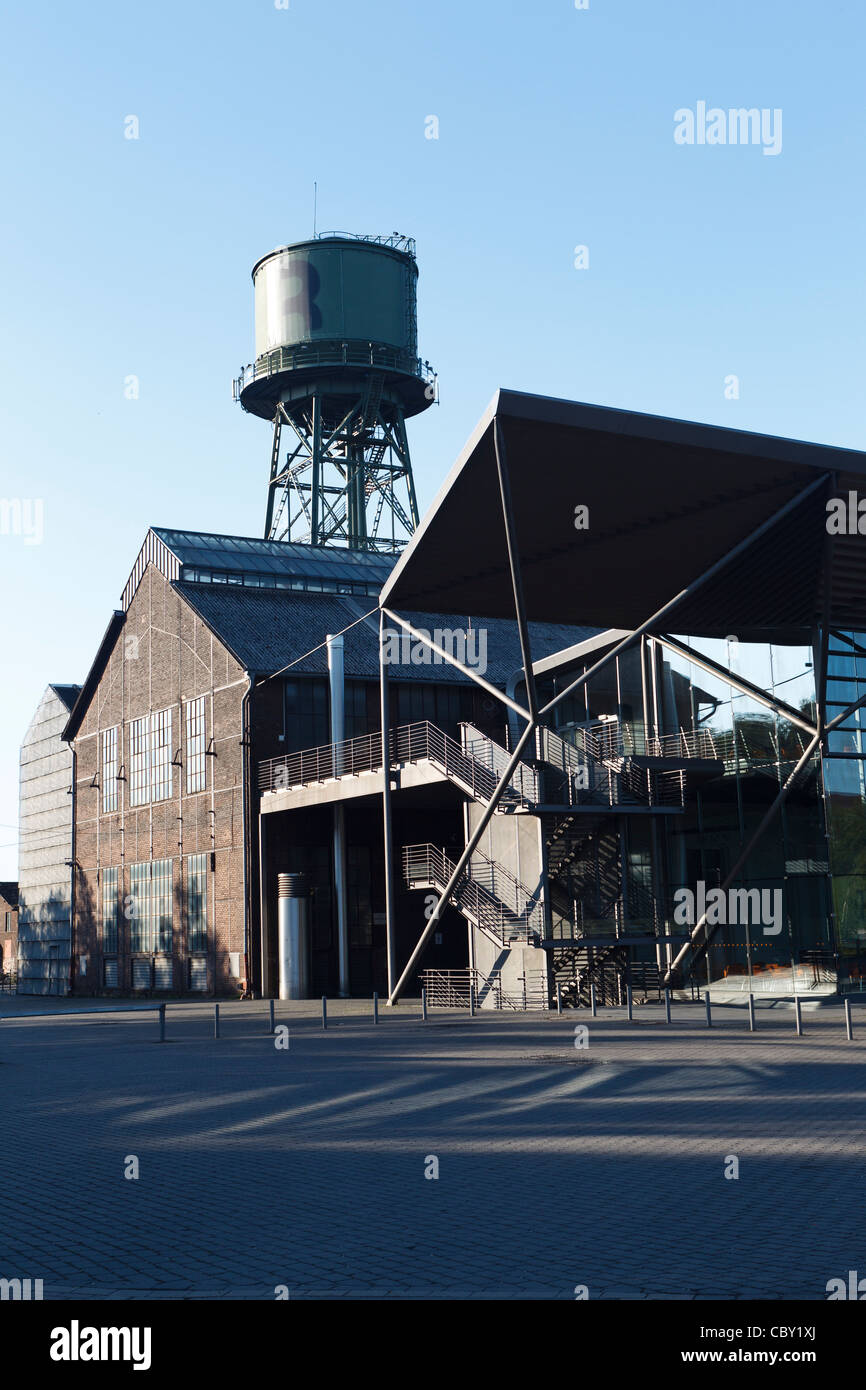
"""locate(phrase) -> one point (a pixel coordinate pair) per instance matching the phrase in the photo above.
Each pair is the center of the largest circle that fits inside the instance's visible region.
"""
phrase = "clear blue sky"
(556, 128)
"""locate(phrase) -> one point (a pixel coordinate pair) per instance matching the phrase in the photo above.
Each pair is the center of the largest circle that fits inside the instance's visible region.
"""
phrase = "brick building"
(8, 932)
(215, 665)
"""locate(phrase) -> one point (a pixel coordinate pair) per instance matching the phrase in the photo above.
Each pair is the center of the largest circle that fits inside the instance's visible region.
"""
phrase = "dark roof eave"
(94, 675)
(667, 499)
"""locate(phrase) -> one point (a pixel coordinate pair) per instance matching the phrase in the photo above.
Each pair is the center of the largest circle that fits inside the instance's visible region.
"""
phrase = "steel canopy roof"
(666, 498)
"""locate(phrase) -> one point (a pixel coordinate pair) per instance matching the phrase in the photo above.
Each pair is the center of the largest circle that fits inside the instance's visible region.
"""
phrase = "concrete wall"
(516, 842)
(45, 849)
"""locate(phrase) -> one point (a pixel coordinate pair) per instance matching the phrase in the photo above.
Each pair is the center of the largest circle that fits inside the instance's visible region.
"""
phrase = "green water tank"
(331, 310)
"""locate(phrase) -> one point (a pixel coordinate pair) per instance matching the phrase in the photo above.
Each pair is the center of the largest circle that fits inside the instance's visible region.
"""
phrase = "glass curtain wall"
(775, 921)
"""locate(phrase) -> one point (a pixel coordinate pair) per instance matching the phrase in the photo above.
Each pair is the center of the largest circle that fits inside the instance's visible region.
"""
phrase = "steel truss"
(535, 717)
(348, 483)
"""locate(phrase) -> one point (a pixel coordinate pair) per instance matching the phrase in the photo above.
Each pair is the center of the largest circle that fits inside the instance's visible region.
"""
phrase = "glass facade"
(845, 793)
(735, 753)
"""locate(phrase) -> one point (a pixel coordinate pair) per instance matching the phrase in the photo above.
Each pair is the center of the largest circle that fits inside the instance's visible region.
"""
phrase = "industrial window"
(195, 741)
(162, 972)
(110, 911)
(109, 769)
(360, 904)
(160, 742)
(196, 902)
(150, 907)
(150, 777)
(198, 973)
(443, 705)
(139, 761)
(361, 709)
(307, 720)
(142, 974)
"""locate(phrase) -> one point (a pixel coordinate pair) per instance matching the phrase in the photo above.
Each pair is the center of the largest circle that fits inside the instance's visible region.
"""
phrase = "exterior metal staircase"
(488, 896)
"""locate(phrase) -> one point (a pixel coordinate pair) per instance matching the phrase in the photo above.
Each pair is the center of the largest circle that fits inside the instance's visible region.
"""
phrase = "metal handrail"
(564, 757)
(491, 755)
(427, 865)
(450, 989)
(613, 778)
(332, 353)
(409, 743)
(686, 743)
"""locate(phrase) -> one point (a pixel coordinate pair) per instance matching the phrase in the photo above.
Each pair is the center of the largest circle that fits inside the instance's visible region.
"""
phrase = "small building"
(8, 936)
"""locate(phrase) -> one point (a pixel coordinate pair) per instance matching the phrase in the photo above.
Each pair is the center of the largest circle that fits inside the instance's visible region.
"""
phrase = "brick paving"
(558, 1167)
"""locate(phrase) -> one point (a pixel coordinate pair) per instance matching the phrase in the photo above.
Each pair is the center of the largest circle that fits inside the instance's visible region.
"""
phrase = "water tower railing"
(351, 354)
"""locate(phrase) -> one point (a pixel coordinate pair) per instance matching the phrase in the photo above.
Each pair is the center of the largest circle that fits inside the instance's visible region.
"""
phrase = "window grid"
(109, 769)
(196, 902)
(110, 911)
(195, 745)
(150, 764)
(160, 742)
(151, 906)
(139, 761)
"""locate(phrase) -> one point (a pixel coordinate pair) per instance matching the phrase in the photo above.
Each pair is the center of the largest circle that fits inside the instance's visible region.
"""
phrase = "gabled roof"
(9, 892)
(94, 675)
(666, 500)
(244, 561)
(266, 630)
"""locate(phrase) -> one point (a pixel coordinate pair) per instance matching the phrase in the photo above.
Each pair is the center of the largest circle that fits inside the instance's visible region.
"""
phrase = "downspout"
(72, 874)
(247, 801)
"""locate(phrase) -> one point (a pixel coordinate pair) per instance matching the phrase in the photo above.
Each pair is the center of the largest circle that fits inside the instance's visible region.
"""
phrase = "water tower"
(337, 374)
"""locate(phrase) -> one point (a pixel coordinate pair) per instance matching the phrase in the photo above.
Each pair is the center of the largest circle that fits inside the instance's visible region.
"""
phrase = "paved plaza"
(305, 1167)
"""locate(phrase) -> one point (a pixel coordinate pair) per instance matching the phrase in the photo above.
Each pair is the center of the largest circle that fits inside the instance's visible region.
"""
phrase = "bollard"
(751, 1012)
(629, 1003)
(162, 1023)
(375, 1008)
(592, 1000)
(708, 1003)
(216, 1020)
(324, 1012)
(848, 1026)
(798, 1016)
(471, 1001)
(559, 999)
(423, 1005)
(271, 1015)
(667, 1006)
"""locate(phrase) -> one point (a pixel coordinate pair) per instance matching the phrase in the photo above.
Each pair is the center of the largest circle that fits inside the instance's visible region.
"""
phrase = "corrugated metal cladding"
(153, 551)
(45, 851)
